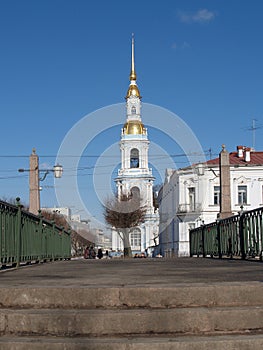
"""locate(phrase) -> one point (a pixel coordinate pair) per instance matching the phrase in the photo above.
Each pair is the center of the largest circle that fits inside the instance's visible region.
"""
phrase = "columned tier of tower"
(134, 153)
(133, 107)
(143, 185)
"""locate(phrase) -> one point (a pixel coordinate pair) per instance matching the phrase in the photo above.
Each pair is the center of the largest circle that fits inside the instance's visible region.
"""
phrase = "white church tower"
(135, 177)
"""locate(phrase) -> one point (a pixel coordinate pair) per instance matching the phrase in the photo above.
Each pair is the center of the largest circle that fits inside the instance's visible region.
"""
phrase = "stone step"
(226, 342)
(198, 320)
(130, 305)
(183, 295)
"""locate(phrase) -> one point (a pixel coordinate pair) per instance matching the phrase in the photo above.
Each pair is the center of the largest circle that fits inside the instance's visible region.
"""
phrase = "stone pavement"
(133, 272)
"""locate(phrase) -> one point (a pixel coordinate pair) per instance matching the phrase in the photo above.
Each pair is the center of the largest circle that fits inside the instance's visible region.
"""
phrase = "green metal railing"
(236, 236)
(26, 238)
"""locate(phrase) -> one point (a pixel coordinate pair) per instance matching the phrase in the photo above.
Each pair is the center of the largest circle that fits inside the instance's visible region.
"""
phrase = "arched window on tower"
(134, 158)
(135, 192)
(133, 110)
(135, 239)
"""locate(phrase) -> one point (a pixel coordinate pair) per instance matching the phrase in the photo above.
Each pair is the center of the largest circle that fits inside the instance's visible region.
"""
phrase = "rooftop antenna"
(210, 152)
(253, 128)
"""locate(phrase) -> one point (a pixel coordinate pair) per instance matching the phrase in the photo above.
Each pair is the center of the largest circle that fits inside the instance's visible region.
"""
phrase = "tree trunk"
(126, 243)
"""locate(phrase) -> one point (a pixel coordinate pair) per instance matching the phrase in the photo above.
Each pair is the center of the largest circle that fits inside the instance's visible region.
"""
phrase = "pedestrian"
(92, 253)
(100, 253)
(86, 253)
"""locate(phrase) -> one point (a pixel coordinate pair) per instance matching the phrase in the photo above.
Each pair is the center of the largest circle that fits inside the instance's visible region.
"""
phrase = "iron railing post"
(203, 241)
(242, 237)
(18, 231)
(190, 243)
(40, 249)
(52, 239)
(218, 237)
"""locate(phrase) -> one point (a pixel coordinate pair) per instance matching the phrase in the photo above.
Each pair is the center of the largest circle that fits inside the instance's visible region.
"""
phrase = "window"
(135, 192)
(242, 194)
(134, 159)
(135, 239)
(191, 198)
(216, 195)
(133, 110)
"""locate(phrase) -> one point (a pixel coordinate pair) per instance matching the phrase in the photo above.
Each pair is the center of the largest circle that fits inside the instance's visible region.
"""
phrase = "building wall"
(178, 214)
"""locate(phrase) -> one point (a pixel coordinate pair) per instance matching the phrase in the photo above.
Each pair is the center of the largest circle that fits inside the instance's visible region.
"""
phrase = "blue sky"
(61, 60)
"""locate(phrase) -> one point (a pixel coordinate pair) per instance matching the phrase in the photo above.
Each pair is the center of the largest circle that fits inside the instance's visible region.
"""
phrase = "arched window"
(134, 158)
(135, 192)
(135, 239)
(133, 110)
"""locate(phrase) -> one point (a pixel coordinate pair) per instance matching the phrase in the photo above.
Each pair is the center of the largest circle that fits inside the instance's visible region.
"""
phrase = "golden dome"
(133, 91)
(134, 127)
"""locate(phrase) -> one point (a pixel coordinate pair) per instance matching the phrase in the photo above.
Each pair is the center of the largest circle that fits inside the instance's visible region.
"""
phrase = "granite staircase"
(197, 317)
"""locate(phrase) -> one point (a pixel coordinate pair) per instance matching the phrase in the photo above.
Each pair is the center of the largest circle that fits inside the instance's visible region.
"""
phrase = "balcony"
(189, 208)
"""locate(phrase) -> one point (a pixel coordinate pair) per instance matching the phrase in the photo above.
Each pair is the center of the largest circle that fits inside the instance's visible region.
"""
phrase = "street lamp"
(57, 170)
(34, 179)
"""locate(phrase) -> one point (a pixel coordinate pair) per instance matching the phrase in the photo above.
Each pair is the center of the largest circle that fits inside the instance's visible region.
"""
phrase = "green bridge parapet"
(26, 238)
(237, 236)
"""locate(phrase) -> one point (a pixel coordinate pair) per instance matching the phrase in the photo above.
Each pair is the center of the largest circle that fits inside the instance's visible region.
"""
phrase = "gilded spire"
(133, 73)
(133, 88)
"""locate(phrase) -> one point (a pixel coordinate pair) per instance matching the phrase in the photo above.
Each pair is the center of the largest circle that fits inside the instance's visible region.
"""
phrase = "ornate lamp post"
(34, 179)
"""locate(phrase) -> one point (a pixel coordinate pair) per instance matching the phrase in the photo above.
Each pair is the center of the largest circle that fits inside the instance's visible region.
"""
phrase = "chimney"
(225, 189)
(240, 151)
(247, 154)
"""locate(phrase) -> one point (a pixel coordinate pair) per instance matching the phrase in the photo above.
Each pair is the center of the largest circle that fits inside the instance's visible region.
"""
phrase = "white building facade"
(191, 197)
(135, 177)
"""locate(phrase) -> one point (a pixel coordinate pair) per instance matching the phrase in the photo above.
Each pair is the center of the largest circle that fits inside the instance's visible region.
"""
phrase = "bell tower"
(135, 176)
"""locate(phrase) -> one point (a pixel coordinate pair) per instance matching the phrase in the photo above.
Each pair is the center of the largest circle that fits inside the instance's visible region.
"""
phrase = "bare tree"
(79, 243)
(78, 240)
(59, 219)
(123, 214)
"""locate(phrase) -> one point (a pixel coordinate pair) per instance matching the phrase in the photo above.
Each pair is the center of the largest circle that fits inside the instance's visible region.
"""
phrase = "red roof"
(256, 158)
